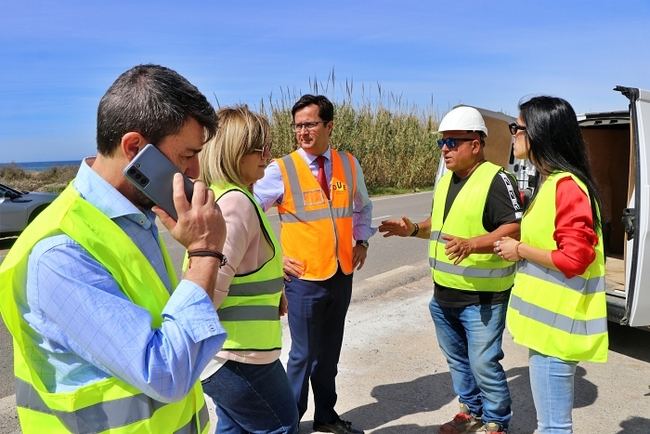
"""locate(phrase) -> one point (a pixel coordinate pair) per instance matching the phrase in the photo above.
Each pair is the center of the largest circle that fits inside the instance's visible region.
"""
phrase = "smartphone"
(152, 173)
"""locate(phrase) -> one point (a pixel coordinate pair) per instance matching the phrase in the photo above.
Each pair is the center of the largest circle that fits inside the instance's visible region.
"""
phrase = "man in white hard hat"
(474, 204)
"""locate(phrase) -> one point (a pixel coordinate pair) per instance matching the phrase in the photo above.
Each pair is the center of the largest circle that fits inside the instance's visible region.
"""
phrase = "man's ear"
(131, 144)
(330, 127)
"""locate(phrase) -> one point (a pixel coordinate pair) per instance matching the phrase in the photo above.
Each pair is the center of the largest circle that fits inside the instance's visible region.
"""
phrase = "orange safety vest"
(315, 230)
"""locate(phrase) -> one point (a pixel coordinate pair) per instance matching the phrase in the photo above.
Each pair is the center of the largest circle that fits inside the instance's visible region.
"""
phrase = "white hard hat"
(463, 118)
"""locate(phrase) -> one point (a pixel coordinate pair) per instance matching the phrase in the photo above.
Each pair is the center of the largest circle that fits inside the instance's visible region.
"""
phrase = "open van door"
(636, 217)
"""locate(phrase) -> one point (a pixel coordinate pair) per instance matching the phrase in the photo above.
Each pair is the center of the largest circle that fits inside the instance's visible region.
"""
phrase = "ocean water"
(38, 166)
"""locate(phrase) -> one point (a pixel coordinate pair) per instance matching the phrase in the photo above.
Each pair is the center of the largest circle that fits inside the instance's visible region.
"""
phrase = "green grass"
(389, 191)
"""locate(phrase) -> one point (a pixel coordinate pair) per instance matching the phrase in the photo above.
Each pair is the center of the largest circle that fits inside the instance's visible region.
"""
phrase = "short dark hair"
(481, 136)
(154, 101)
(556, 143)
(325, 106)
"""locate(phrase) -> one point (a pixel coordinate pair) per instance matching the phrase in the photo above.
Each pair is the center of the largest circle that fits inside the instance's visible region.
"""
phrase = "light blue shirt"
(270, 189)
(91, 331)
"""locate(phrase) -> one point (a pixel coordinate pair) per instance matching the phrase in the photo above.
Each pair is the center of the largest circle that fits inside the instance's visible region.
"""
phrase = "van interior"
(608, 140)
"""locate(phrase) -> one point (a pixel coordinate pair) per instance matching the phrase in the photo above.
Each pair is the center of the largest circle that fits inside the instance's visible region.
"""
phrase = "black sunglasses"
(453, 142)
(514, 127)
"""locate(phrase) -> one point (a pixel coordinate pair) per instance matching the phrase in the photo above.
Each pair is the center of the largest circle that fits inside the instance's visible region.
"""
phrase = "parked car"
(18, 208)
(618, 145)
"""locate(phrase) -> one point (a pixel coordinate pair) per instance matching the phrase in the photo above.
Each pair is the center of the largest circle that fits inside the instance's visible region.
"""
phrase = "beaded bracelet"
(416, 230)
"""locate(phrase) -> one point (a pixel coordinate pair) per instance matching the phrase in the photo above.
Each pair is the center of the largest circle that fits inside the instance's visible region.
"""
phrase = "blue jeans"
(252, 399)
(551, 381)
(470, 338)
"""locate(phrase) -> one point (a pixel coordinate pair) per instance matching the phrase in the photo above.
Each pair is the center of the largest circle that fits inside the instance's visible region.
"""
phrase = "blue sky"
(57, 58)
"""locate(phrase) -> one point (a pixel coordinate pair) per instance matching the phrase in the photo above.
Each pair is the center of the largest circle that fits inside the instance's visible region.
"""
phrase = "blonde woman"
(246, 379)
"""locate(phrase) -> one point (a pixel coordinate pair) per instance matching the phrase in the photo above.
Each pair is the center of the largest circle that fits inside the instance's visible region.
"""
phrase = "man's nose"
(192, 170)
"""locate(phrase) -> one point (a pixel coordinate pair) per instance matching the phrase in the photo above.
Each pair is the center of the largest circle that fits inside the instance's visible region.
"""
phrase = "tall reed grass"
(393, 141)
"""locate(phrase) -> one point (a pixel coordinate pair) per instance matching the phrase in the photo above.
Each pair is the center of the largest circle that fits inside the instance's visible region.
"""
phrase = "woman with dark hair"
(557, 307)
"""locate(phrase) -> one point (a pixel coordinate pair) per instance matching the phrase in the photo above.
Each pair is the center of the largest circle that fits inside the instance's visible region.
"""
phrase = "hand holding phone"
(152, 173)
(200, 225)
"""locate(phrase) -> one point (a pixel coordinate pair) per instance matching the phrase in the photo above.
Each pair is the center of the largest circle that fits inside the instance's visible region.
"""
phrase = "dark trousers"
(316, 320)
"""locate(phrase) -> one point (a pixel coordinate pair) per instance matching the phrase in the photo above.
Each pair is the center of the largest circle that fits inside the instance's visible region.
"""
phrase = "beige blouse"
(247, 250)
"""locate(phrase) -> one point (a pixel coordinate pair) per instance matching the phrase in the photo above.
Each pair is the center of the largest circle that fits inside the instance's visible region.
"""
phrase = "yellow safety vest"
(548, 312)
(315, 230)
(479, 271)
(109, 405)
(250, 313)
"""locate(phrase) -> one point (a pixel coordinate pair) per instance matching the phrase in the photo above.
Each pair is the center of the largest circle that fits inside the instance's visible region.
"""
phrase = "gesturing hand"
(457, 248)
(401, 228)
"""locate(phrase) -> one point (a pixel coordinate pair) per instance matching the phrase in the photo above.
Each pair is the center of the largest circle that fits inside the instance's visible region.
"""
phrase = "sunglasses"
(264, 150)
(453, 142)
(514, 127)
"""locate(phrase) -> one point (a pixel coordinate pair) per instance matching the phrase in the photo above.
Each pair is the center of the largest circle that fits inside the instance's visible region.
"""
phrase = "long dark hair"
(556, 143)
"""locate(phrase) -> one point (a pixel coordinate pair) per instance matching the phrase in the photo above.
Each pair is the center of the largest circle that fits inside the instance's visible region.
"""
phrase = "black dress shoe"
(339, 426)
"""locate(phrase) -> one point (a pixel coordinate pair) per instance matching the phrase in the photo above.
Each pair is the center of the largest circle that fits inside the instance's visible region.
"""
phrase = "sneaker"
(464, 422)
(492, 428)
(339, 426)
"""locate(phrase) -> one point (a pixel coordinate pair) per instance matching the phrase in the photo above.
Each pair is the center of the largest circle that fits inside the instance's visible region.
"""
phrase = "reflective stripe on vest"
(250, 313)
(470, 271)
(437, 236)
(557, 321)
(103, 415)
(42, 411)
(478, 271)
(319, 214)
(315, 230)
(301, 213)
(256, 288)
(548, 312)
(584, 286)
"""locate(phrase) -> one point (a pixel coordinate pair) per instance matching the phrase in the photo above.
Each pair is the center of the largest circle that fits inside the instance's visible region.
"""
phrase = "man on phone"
(325, 216)
(105, 337)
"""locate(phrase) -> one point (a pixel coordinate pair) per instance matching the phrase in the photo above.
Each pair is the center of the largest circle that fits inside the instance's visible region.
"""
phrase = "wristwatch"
(363, 243)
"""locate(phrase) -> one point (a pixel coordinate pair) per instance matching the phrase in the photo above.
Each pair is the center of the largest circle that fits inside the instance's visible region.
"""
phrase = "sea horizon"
(38, 166)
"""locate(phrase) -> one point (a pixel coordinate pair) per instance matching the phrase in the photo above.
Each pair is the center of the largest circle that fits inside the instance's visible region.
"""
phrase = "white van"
(618, 144)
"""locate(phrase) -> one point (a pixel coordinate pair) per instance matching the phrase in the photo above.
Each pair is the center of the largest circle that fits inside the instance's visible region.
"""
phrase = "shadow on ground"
(635, 425)
(630, 341)
(432, 392)
(394, 401)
